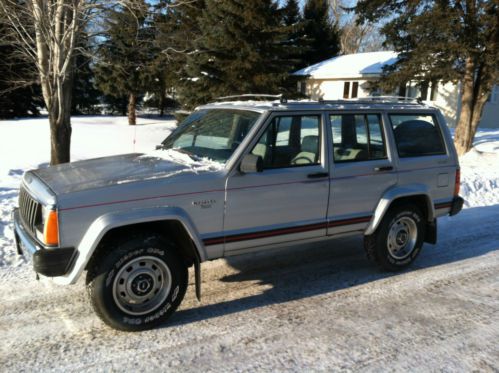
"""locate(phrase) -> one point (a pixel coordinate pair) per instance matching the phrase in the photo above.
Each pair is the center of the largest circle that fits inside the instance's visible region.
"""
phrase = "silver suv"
(233, 178)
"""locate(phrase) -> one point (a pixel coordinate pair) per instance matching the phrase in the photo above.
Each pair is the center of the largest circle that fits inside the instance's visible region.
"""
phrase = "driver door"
(288, 200)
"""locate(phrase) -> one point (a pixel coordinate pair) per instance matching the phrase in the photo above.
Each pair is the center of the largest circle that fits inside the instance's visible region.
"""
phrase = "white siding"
(490, 115)
(332, 89)
(447, 100)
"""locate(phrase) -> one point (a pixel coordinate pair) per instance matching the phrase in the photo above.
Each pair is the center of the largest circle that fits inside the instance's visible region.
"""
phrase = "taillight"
(457, 184)
(51, 229)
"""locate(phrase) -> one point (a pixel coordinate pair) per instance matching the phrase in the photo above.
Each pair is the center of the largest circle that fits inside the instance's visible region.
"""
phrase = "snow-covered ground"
(314, 307)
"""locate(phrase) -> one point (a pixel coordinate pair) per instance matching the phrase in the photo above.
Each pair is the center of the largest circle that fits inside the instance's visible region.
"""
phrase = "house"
(352, 76)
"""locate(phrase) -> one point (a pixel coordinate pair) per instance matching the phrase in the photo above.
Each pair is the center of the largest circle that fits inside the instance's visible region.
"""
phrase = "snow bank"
(480, 178)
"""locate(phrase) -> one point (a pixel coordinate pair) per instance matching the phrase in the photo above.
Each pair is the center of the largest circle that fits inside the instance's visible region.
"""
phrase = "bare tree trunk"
(473, 100)
(60, 120)
(162, 103)
(462, 134)
(60, 135)
(132, 103)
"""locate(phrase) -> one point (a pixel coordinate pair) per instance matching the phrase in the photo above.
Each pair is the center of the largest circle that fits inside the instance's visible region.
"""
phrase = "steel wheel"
(142, 285)
(402, 237)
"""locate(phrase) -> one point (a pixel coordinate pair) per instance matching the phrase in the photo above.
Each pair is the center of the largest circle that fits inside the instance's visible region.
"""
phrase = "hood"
(120, 169)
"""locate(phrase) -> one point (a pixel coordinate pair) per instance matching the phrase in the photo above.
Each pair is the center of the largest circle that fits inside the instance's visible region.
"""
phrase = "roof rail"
(395, 99)
(255, 96)
(380, 99)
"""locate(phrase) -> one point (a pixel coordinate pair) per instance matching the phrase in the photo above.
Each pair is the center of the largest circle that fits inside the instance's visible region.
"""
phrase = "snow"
(193, 163)
(279, 310)
(480, 170)
(26, 146)
(350, 65)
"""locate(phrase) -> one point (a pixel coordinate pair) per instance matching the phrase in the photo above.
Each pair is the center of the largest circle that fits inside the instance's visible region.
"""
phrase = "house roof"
(357, 65)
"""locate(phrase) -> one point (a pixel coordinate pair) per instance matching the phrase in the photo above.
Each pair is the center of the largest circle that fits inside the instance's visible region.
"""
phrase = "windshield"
(211, 133)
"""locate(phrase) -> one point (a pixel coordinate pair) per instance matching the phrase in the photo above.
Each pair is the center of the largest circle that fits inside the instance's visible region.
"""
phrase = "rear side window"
(416, 135)
(357, 137)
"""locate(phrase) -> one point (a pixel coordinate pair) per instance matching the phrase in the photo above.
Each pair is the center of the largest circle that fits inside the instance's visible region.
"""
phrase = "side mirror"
(251, 163)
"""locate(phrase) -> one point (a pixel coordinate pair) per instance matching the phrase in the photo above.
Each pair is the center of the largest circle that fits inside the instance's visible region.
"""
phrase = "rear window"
(416, 135)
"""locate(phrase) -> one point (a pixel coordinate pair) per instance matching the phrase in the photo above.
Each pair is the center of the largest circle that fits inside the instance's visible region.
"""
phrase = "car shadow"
(314, 269)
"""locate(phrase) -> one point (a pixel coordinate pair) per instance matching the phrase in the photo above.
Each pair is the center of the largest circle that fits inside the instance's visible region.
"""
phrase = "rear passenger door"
(361, 171)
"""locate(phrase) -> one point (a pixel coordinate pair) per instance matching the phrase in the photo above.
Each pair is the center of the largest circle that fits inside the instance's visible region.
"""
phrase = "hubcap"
(142, 285)
(402, 238)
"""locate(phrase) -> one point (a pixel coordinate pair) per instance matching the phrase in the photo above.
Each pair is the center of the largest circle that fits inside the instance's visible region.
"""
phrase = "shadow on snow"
(309, 270)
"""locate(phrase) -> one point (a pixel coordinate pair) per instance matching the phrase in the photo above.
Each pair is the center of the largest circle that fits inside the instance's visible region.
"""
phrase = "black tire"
(149, 263)
(380, 246)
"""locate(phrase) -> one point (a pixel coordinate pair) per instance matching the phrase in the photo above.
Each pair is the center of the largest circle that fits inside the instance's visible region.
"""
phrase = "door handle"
(318, 175)
(384, 168)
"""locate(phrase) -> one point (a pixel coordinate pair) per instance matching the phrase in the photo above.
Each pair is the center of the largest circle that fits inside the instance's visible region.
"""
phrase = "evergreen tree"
(19, 92)
(179, 32)
(123, 68)
(291, 13)
(85, 95)
(161, 91)
(175, 27)
(115, 104)
(296, 45)
(240, 49)
(321, 32)
(443, 40)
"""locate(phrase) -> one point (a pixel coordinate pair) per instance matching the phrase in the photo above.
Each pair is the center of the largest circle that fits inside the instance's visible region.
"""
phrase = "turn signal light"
(457, 185)
(51, 229)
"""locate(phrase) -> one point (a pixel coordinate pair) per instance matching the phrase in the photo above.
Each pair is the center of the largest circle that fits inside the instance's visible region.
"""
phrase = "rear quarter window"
(417, 135)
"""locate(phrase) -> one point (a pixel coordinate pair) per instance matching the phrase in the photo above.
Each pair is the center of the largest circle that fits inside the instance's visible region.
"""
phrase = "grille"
(30, 211)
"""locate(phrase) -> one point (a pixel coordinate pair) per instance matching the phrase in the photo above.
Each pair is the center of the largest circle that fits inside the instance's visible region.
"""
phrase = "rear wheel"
(398, 239)
(137, 284)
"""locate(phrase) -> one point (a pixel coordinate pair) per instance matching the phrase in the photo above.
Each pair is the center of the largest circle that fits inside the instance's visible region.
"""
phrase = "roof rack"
(255, 96)
(380, 99)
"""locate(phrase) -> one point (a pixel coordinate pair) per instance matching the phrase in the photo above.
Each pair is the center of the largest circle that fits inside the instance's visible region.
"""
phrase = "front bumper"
(47, 261)
(456, 206)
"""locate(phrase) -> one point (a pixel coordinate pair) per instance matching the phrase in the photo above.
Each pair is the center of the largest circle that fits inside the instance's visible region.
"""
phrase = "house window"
(302, 87)
(355, 89)
(424, 90)
(402, 90)
(346, 90)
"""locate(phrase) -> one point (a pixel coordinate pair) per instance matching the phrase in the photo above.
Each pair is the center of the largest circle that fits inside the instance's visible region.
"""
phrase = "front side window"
(212, 133)
(357, 137)
(290, 141)
(416, 135)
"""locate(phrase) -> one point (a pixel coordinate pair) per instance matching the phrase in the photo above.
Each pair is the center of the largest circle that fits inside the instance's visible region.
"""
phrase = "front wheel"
(398, 239)
(137, 284)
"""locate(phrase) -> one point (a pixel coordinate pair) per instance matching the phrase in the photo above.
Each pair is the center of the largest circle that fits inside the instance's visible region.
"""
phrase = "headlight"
(48, 231)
